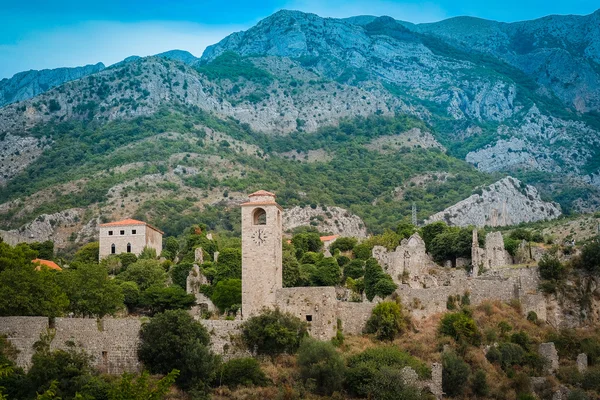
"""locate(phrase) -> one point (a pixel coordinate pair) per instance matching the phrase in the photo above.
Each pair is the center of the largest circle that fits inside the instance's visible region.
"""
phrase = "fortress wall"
(354, 316)
(225, 337)
(316, 303)
(23, 332)
(111, 342)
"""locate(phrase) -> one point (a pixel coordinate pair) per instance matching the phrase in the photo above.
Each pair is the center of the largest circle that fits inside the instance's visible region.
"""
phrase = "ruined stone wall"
(504, 284)
(354, 316)
(154, 240)
(225, 337)
(23, 332)
(13, 239)
(112, 342)
(316, 305)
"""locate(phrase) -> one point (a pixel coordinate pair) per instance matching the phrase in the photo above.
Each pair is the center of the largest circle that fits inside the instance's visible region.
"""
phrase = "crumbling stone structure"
(193, 282)
(409, 263)
(493, 256)
(550, 356)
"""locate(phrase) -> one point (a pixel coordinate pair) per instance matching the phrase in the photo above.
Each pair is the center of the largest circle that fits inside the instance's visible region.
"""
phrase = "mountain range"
(333, 112)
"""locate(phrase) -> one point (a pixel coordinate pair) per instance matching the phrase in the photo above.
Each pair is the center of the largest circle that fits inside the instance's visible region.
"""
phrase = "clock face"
(259, 237)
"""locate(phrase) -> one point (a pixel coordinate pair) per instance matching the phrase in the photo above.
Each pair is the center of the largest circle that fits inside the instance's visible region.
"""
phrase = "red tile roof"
(329, 238)
(131, 221)
(262, 193)
(45, 263)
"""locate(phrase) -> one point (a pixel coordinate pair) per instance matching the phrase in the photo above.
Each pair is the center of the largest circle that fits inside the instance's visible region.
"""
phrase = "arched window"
(113, 249)
(259, 217)
(129, 247)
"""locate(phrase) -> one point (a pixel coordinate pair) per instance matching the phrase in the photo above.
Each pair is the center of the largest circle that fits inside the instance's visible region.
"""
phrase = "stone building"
(128, 236)
(262, 279)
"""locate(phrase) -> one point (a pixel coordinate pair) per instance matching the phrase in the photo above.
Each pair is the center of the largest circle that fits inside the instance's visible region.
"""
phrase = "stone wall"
(112, 342)
(315, 305)
(225, 337)
(354, 316)
(23, 332)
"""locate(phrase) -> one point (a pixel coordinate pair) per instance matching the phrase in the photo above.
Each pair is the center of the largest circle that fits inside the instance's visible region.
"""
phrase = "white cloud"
(107, 42)
(411, 12)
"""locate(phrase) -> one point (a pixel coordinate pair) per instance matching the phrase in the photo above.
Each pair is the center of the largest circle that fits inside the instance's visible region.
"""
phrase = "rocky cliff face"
(334, 220)
(26, 85)
(506, 202)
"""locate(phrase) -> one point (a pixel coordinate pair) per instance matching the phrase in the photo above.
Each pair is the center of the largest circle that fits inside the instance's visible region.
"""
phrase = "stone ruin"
(409, 263)
(492, 256)
(193, 282)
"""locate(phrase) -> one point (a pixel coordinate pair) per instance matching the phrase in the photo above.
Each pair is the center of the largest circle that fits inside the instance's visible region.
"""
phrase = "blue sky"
(39, 34)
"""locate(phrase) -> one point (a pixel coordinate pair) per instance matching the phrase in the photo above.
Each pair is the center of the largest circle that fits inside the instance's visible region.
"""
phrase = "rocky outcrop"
(16, 153)
(45, 228)
(28, 84)
(506, 202)
(334, 220)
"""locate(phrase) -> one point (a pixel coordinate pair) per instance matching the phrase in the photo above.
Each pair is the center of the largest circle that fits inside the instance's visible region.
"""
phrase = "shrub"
(363, 368)
(131, 294)
(173, 340)
(522, 339)
(532, 317)
(342, 260)
(321, 365)
(455, 374)
(229, 264)
(551, 268)
(127, 259)
(362, 251)
(493, 355)
(590, 257)
(377, 282)
(159, 299)
(386, 321)
(510, 354)
(480, 385)
(591, 379)
(388, 384)
(273, 332)
(242, 372)
(227, 294)
(460, 326)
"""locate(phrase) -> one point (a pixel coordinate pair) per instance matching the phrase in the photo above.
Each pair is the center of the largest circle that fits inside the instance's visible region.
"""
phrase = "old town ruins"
(423, 287)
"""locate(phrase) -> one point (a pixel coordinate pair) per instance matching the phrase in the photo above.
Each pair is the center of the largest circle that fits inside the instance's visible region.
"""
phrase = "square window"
(133, 231)
(110, 233)
(122, 232)
(309, 318)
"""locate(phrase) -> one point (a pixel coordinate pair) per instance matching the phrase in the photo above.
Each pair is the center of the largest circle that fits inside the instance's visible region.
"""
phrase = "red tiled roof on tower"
(45, 263)
(262, 193)
(131, 221)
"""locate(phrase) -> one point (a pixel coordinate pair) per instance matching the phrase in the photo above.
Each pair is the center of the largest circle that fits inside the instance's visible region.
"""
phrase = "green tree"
(460, 326)
(173, 340)
(127, 259)
(429, 232)
(307, 241)
(179, 274)
(343, 244)
(480, 385)
(551, 268)
(145, 273)
(377, 282)
(321, 365)
(229, 265)
(91, 292)
(386, 321)
(15, 257)
(241, 372)
(291, 269)
(354, 269)
(45, 249)
(273, 332)
(455, 374)
(590, 257)
(227, 293)
(405, 230)
(328, 272)
(172, 246)
(363, 250)
(131, 294)
(159, 299)
(89, 253)
(25, 291)
(148, 253)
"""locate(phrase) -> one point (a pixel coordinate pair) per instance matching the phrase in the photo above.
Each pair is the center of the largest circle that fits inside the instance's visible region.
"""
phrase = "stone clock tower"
(261, 252)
